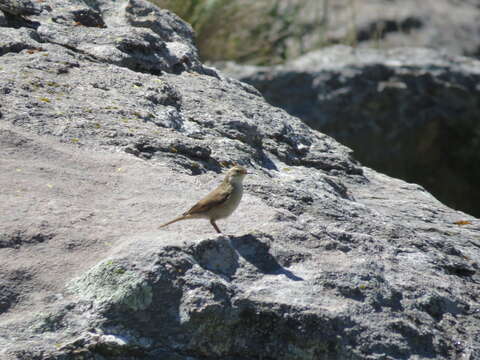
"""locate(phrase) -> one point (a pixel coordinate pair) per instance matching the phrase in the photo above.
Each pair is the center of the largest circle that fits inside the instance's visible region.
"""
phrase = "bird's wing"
(213, 199)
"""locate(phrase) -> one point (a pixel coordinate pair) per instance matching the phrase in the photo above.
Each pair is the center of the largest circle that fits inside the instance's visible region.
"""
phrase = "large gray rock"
(134, 34)
(324, 259)
(450, 25)
(411, 113)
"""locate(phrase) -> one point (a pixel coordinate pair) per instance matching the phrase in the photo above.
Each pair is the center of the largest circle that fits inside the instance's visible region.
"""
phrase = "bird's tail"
(182, 217)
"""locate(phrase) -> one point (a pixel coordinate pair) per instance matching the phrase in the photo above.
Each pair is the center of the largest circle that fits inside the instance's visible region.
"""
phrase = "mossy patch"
(109, 282)
(47, 322)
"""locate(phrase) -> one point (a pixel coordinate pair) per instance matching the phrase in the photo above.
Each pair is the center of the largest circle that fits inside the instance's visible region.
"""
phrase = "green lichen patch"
(48, 322)
(111, 283)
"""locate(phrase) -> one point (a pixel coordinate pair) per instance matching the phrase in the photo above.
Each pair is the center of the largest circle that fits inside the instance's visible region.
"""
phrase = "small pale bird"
(221, 202)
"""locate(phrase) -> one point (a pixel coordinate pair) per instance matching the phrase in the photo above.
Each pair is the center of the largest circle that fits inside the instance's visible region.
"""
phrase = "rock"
(324, 258)
(137, 35)
(3, 19)
(20, 7)
(410, 113)
(438, 24)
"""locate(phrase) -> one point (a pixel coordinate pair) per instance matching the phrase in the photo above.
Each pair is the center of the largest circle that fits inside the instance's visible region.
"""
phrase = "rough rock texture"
(451, 25)
(325, 259)
(132, 34)
(411, 113)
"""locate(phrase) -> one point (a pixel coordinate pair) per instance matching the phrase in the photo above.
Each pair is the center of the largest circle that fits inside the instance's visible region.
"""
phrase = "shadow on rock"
(221, 256)
(257, 253)
(216, 255)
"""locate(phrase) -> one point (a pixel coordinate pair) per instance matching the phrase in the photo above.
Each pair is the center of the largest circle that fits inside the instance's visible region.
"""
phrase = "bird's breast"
(229, 205)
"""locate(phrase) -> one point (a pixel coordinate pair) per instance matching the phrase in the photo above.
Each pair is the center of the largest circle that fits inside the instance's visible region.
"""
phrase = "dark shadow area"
(18, 238)
(216, 255)
(17, 22)
(265, 161)
(257, 253)
(89, 18)
(221, 256)
(380, 29)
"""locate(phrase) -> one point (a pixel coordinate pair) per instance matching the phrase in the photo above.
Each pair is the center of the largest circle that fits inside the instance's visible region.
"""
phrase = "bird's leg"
(215, 226)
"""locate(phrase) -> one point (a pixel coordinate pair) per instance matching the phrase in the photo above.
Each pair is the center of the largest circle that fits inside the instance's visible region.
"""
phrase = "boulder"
(447, 25)
(408, 112)
(106, 131)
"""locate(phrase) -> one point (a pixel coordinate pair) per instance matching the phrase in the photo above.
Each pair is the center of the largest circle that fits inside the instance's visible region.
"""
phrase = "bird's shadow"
(221, 255)
(257, 253)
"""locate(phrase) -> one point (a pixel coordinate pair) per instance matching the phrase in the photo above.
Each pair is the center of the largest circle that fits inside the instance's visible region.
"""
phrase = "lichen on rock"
(110, 283)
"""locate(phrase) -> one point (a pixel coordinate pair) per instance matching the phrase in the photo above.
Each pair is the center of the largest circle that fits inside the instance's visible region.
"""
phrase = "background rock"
(449, 25)
(411, 113)
(325, 259)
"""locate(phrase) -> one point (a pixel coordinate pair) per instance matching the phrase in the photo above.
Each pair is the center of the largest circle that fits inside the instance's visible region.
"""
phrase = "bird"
(219, 203)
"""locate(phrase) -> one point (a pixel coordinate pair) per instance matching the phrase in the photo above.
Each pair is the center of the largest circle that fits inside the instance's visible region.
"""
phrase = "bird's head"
(236, 174)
